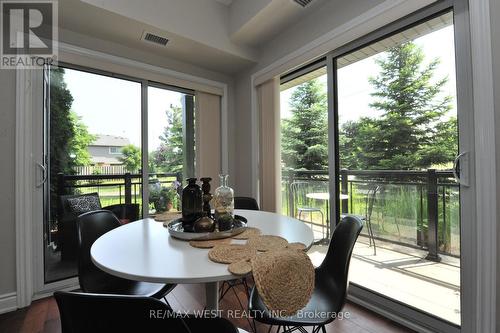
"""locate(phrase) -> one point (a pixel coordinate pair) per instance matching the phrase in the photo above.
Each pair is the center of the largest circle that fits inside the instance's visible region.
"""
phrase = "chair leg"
(322, 224)
(371, 236)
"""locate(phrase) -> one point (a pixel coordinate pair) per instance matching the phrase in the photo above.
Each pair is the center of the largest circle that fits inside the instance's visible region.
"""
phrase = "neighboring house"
(107, 149)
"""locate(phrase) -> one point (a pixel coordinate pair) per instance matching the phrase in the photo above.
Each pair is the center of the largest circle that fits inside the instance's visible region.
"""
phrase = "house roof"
(110, 141)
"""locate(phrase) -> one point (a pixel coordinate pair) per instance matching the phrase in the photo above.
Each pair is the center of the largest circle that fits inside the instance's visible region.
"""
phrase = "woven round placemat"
(267, 242)
(297, 246)
(242, 267)
(284, 279)
(208, 244)
(227, 254)
(248, 233)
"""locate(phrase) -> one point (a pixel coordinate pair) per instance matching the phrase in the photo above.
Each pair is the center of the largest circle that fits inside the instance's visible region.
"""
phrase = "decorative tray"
(176, 230)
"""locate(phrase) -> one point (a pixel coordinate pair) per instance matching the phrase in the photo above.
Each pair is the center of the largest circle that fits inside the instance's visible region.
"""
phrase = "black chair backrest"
(91, 226)
(335, 266)
(125, 211)
(96, 313)
(245, 203)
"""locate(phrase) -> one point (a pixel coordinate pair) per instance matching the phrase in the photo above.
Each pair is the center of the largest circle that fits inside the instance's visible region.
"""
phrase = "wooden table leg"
(212, 295)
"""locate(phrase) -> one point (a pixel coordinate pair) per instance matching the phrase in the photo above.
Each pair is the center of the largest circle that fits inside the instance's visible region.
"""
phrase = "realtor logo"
(29, 33)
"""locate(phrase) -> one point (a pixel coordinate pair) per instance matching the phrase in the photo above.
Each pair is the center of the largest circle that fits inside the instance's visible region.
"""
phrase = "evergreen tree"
(169, 156)
(304, 137)
(131, 158)
(410, 132)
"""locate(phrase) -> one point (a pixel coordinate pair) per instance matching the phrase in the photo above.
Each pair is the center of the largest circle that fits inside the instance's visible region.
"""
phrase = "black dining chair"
(83, 313)
(330, 288)
(245, 203)
(227, 286)
(91, 226)
(124, 212)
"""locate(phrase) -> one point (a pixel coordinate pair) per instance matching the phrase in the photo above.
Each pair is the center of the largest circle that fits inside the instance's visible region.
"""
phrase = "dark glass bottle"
(192, 204)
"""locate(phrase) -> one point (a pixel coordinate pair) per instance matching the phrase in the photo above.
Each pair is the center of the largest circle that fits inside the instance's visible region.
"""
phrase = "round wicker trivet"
(297, 246)
(267, 243)
(208, 244)
(248, 233)
(284, 279)
(227, 254)
(242, 267)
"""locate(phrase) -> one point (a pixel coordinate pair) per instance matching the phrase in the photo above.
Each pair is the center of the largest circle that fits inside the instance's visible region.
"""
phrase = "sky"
(113, 106)
(354, 89)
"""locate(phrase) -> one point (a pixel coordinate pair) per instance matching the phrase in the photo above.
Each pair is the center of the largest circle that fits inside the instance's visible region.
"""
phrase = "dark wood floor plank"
(43, 315)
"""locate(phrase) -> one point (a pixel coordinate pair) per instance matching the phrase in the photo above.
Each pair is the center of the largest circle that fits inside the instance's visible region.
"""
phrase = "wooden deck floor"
(403, 274)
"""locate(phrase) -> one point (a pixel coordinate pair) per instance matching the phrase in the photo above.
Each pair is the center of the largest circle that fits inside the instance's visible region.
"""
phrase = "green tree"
(61, 126)
(169, 156)
(79, 142)
(304, 136)
(410, 127)
(131, 158)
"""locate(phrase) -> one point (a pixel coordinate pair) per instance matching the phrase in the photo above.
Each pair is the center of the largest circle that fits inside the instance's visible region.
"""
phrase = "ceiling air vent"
(303, 3)
(152, 38)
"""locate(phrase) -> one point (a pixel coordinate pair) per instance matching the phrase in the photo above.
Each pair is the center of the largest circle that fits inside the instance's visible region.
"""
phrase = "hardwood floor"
(43, 315)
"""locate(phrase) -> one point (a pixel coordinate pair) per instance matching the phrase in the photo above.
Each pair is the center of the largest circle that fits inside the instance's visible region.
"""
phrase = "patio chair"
(70, 206)
(91, 226)
(299, 194)
(80, 312)
(330, 287)
(371, 196)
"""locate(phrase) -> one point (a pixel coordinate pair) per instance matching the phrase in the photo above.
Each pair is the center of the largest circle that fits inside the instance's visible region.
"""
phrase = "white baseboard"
(8, 302)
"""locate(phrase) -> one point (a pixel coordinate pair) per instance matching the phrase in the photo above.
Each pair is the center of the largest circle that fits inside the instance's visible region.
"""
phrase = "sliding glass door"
(93, 131)
(402, 140)
(381, 129)
(100, 146)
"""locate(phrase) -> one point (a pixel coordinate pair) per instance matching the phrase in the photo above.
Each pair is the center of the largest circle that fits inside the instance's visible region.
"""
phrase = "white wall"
(7, 138)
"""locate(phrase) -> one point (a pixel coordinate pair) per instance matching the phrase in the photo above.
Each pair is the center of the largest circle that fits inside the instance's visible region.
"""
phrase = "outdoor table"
(144, 251)
(326, 197)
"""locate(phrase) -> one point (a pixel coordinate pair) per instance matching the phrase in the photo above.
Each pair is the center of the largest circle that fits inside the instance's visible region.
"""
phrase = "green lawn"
(399, 213)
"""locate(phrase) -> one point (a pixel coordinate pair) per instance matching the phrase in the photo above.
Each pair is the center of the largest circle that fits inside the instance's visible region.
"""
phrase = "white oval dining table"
(144, 251)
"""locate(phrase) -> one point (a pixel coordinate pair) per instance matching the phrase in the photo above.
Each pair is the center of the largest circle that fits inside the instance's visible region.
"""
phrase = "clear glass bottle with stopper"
(223, 198)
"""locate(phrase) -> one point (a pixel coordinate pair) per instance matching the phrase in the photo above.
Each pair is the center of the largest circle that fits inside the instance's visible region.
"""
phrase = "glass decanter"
(223, 198)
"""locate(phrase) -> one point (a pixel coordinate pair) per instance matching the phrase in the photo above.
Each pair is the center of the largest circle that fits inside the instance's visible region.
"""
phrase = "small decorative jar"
(192, 204)
(223, 198)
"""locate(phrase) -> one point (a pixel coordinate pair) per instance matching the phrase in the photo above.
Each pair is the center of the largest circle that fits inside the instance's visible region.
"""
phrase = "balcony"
(416, 229)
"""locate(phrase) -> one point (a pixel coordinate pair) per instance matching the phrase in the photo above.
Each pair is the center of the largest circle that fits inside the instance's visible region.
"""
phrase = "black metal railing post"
(344, 190)
(60, 184)
(432, 216)
(178, 177)
(128, 188)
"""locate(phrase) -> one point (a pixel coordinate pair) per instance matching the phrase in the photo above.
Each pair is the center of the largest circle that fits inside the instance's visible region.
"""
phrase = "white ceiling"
(225, 38)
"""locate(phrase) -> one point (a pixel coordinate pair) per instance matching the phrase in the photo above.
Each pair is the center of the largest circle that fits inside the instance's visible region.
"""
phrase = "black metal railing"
(412, 208)
(124, 188)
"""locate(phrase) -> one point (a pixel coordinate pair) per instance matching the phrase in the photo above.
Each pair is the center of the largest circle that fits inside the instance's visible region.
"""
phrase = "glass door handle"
(459, 163)
(44, 174)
